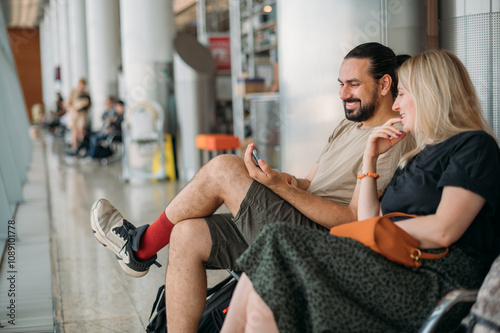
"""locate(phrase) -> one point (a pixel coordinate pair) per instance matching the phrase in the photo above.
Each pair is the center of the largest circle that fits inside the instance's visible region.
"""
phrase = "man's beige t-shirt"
(341, 162)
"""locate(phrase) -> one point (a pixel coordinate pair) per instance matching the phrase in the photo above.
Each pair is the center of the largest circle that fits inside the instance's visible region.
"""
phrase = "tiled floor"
(92, 293)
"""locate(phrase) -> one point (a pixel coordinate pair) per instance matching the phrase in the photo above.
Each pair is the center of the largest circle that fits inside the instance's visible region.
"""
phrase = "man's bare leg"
(223, 180)
(186, 280)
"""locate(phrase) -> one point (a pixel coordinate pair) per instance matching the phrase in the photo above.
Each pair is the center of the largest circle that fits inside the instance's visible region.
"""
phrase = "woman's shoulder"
(473, 139)
(469, 146)
(474, 150)
(474, 135)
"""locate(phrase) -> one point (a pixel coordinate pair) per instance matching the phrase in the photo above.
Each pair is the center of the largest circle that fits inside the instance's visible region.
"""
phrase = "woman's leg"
(316, 282)
(247, 311)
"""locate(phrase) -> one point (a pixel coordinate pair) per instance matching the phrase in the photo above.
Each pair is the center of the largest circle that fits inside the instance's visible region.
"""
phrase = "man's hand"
(263, 173)
(289, 179)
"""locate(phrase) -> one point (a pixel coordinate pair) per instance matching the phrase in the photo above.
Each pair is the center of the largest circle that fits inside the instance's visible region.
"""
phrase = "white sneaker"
(120, 237)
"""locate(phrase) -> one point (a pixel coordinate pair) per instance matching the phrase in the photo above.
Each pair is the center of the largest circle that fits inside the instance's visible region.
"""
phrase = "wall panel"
(313, 38)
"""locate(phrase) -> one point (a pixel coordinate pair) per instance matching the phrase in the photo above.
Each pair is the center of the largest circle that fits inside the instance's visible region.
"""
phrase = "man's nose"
(344, 93)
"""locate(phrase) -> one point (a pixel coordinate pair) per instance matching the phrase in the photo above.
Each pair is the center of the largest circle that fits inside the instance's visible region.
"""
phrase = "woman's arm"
(380, 141)
(456, 211)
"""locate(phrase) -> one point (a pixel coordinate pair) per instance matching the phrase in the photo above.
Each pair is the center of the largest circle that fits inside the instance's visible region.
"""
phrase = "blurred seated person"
(55, 116)
(84, 146)
(111, 131)
(109, 111)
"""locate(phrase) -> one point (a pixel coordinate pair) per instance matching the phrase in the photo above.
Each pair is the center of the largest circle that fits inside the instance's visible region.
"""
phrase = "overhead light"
(267, 9)
(31, 15)
(15, 15)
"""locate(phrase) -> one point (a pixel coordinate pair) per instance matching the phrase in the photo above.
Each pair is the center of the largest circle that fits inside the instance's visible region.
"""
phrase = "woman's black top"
(470, 160)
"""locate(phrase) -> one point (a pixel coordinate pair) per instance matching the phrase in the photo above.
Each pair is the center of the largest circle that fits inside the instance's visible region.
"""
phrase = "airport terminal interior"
(184, 71)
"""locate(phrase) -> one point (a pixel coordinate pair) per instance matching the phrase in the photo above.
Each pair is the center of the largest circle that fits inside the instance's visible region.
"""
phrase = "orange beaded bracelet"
(368, 174)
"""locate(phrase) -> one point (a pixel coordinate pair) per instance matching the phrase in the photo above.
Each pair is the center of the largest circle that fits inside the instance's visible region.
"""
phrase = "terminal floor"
(91, 292)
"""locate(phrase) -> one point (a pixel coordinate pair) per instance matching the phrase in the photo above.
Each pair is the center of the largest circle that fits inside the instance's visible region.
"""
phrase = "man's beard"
(364, 112)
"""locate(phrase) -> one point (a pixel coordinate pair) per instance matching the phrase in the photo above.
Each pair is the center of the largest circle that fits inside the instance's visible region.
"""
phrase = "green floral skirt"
(316, 282)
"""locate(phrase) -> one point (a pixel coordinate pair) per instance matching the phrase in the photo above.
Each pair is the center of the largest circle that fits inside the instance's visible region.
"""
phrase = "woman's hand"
(263, 173)
(383, 138)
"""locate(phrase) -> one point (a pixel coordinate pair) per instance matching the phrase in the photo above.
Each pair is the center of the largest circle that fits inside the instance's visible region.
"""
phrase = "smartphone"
(255, 157)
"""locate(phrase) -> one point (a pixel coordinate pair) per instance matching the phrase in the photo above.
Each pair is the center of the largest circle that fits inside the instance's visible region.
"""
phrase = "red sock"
(156, 237)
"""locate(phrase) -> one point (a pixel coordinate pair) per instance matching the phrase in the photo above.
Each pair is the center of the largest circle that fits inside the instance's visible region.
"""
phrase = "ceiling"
(29, 13)
(23, 13)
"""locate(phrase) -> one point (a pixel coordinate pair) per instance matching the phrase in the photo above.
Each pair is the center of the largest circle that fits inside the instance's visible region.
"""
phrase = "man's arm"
(320, 210)
(302, 183)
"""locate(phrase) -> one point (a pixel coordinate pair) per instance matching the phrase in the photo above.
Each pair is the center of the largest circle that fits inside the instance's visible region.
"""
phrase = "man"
(111, 129)
(258, 196)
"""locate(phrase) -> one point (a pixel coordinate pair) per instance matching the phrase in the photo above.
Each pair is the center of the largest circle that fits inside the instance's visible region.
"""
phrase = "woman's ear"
(385, 83)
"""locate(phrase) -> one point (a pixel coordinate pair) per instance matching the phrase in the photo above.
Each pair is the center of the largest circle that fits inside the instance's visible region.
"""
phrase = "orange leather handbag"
(386, 238)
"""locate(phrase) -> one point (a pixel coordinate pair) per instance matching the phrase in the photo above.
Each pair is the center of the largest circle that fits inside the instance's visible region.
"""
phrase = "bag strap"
(219, 285)
(417, 255)
(158, 296)
(424, 255)
(394, 214)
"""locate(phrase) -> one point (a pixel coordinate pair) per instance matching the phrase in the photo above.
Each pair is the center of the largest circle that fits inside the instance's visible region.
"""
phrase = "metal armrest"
(235, 274)
(445, 304)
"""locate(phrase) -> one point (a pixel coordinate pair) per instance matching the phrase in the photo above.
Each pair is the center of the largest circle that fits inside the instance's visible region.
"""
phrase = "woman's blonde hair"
(445, 98)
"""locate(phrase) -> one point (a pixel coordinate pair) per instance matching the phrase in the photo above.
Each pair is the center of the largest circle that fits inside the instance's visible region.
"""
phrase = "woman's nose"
(395, 105)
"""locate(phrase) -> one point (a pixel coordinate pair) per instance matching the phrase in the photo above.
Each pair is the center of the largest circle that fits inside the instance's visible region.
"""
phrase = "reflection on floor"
(95, 294)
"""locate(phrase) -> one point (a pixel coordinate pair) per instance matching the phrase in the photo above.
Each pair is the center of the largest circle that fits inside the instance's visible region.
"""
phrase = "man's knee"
(191, 236)
(227, 164)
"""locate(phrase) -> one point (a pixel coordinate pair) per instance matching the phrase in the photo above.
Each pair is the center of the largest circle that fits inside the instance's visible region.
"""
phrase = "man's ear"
(385, 83)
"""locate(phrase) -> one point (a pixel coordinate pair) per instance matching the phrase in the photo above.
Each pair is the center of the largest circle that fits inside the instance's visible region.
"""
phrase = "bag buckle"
(416, 256)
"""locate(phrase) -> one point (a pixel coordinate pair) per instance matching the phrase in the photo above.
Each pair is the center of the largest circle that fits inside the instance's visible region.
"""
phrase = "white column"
(47, 62)
(147, 30)
(194, 68)
(103, 42)
(77, 39)
(67, 82)
(56, 53)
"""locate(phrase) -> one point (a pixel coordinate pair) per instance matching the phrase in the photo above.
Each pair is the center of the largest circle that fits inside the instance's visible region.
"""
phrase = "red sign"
(221, 50)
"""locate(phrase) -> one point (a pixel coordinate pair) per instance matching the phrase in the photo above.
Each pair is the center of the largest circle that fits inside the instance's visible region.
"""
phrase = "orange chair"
(217, 143)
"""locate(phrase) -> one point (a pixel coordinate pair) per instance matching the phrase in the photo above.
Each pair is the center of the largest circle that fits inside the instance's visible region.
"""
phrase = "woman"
(79, 103)
(306, 281)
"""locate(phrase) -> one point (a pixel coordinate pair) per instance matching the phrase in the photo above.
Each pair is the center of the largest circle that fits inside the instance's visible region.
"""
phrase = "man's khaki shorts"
(231, 236)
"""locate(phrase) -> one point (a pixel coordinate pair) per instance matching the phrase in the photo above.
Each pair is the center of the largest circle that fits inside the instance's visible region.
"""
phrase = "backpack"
(218, 298)
(159, 323)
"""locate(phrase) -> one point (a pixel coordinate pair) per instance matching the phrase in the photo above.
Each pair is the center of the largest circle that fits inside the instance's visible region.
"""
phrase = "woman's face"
(405, 105)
